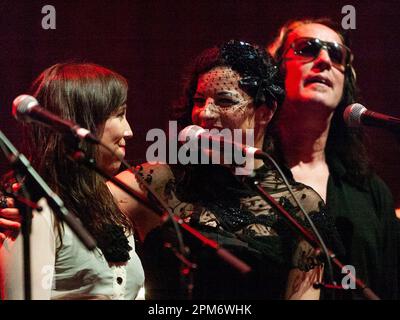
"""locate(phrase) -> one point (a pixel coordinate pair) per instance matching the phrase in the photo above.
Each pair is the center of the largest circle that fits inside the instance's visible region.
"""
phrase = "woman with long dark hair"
(95, 98)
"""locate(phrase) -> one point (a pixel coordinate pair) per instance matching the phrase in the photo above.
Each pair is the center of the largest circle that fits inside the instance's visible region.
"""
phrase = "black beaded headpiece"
(260, 76)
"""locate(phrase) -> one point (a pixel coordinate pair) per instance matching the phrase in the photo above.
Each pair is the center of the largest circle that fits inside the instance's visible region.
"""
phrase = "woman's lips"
(318, 80)
(211, 127)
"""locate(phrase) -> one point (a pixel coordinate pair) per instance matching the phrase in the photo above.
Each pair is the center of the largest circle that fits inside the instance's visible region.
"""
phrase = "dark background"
(150, 43)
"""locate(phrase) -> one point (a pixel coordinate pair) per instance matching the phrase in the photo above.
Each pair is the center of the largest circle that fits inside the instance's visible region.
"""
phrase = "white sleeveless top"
(68, 272)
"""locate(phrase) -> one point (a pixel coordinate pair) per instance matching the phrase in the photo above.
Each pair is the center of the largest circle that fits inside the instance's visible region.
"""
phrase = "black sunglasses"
(309, 49)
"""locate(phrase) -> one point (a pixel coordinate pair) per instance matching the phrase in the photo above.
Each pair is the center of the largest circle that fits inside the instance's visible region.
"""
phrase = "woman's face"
(318, 82)
(220, 103)
(114, 134)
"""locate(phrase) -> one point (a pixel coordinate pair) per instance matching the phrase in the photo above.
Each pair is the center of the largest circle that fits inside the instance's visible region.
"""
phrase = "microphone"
(194, 132)
(27, 109)
(242, 154)
(356, 115)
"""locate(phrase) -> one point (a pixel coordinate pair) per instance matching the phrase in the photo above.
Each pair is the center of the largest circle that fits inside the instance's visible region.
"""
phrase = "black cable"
(314, 229)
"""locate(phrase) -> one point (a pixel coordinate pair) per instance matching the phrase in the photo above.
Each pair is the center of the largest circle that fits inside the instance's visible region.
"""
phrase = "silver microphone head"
(352, 114)
(22, 105)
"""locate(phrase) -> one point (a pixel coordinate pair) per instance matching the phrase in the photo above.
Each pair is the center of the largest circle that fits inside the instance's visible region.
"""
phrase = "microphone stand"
(26, 225)
(185, 272)
(303, 232)
(27, 176)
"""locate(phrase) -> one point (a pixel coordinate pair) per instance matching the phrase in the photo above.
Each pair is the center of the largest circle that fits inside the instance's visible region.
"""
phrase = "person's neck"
(303, 134)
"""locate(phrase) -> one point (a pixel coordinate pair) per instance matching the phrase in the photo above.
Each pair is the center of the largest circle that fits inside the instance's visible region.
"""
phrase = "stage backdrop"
(150, 43)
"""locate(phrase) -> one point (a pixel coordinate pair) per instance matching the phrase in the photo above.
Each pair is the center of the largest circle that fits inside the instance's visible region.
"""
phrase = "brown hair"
(86, 94)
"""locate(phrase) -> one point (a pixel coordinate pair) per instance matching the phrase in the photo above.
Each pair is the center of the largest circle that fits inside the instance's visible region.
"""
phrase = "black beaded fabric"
(260, 76)
(222, 199)
(114, 244)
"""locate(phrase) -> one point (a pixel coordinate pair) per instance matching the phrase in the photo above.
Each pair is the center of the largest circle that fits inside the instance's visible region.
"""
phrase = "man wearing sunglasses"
(314, 142)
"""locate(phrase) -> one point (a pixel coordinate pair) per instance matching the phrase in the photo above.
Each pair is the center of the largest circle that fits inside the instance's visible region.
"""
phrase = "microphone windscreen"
(22, 104)
(352, 114)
